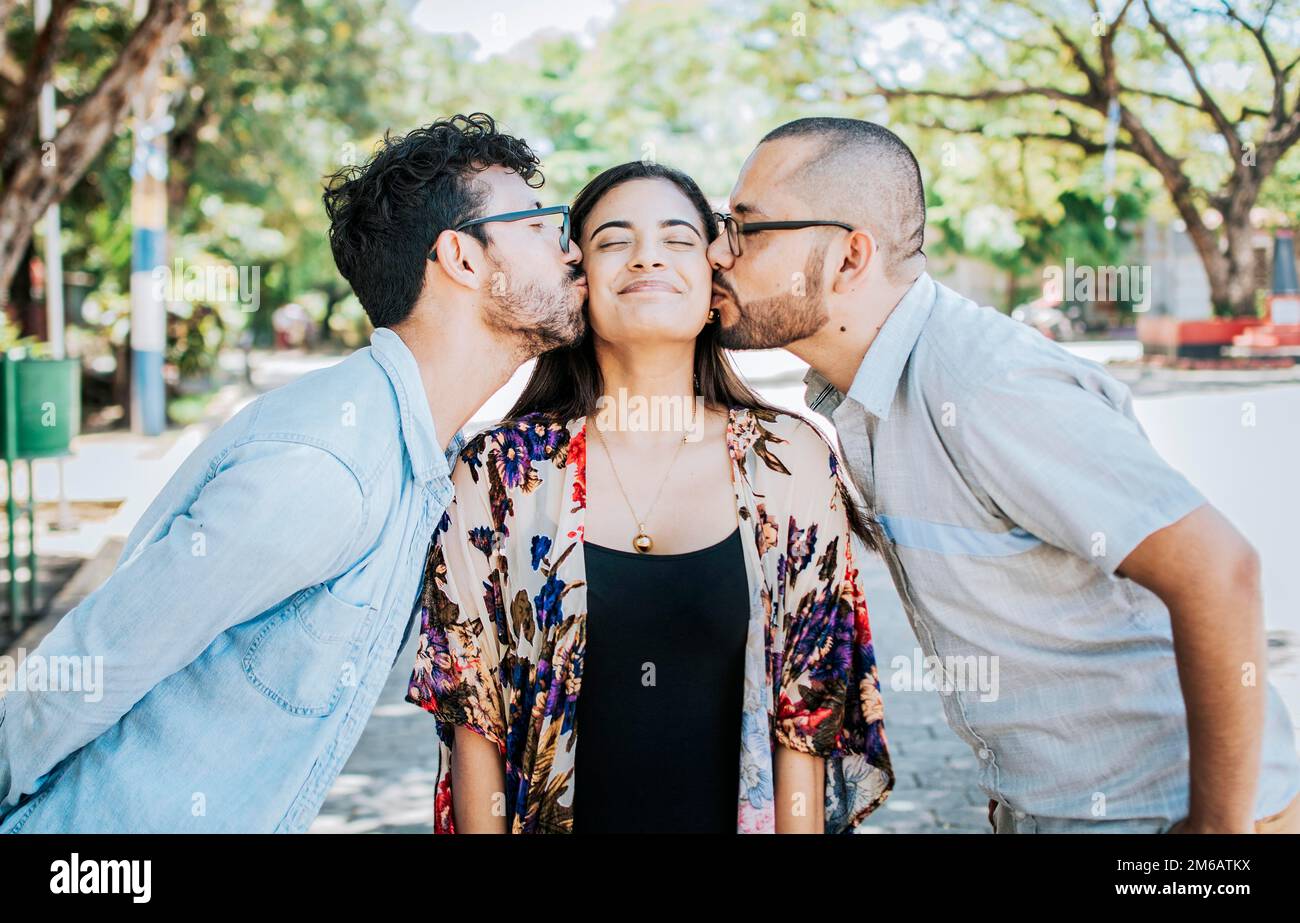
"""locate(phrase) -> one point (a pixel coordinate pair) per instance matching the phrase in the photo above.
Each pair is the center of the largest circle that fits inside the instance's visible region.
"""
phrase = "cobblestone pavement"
(387, 784)
(934, 789)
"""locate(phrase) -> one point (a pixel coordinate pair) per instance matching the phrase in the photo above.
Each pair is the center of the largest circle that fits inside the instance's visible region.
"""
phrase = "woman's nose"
(647, 257)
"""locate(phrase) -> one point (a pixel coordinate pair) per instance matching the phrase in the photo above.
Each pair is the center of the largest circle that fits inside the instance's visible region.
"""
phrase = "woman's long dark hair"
(566, 382)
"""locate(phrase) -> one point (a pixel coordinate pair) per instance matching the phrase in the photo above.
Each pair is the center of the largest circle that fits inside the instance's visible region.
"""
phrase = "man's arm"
(1207, 574)
(277, 517)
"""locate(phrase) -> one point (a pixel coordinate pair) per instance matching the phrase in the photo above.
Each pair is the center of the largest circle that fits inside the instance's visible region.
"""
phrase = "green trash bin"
(48, 407)
(40, 412)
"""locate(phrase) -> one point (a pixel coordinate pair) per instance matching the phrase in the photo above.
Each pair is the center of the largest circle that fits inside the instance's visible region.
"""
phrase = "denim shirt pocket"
(16, 819)
(305, 655)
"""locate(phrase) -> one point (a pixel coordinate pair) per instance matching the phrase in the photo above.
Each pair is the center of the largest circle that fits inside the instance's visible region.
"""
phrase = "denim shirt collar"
(877, 378)
(429, 462)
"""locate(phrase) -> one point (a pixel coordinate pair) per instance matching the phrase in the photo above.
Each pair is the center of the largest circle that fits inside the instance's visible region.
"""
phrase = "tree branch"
(1074, 136)
(985, 95)
(1107, 43)
(33, 186)
(1076, 51)
(1187, 103)
(20, 125)
(1279, 73)
(1208, 105)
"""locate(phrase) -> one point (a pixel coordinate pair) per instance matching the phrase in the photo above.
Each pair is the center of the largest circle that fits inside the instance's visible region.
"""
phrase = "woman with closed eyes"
(642, 611)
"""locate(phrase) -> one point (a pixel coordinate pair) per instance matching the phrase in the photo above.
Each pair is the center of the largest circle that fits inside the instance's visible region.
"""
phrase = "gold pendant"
(642, 542)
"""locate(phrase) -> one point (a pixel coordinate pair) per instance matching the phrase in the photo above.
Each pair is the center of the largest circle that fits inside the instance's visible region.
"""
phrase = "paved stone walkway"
(387, 784)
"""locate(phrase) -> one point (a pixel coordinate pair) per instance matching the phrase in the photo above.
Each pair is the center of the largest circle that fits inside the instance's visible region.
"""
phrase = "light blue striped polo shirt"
(1012, 478)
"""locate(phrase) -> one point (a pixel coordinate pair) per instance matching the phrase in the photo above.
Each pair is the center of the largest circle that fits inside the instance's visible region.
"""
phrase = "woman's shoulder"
(521, 450)
(529, 428)
(787, 443)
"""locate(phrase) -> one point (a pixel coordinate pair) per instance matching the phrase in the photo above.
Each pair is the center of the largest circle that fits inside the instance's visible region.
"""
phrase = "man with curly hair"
(228, 665)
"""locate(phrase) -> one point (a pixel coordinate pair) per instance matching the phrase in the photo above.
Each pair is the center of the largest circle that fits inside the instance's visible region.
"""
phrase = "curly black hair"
(386, 214)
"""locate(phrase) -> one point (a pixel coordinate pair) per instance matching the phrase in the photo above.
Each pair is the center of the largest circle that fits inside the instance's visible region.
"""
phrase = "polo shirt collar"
(877, 378)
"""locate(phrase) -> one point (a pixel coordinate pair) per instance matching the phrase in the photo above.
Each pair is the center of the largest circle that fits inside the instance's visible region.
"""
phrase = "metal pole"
(53, 242)
(54, 315)
(9, 445)
(31, 540)
(1108, 161)
(148, 254)
(11, 513)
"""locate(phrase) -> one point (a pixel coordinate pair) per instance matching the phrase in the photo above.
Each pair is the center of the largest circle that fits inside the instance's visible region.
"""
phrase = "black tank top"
(658, 712)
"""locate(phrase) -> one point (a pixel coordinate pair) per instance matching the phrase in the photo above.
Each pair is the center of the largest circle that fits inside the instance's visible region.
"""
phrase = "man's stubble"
(771, 323)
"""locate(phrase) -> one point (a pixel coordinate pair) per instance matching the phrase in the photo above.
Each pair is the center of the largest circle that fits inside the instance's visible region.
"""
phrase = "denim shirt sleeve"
(454, 448)
(274, 518)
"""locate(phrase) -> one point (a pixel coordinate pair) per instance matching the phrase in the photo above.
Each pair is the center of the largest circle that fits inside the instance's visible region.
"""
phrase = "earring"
(712, 316)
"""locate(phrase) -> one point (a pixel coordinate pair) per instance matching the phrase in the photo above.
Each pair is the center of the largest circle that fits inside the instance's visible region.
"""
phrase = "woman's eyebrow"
(666, 223)
(680, 222)
(612, 224)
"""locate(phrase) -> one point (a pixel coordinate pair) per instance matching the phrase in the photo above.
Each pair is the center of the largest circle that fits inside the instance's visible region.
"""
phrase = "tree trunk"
(38, 179)
(1227, 257)
(1239, 292)
(184, 144)
(21, 301)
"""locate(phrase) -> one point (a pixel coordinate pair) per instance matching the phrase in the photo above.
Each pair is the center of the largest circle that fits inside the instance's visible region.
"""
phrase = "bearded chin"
(540, 317)
(770, 323)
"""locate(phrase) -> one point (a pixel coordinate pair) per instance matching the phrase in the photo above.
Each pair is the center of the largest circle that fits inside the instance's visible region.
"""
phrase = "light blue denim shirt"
(1011, 479)
(245, 634)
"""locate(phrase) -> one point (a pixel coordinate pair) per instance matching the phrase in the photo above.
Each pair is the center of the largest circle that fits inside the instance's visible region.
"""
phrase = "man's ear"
(461, 260)
(857, 253)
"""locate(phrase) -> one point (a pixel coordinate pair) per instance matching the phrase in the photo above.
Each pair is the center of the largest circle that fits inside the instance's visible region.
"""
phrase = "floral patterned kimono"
(504, 604)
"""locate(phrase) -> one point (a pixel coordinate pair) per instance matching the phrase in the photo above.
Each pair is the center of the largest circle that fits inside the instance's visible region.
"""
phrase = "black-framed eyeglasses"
(562, 210)
(736, 228)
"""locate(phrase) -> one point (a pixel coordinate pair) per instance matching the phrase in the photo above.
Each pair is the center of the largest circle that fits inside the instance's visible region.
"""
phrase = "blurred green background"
(1005, 104)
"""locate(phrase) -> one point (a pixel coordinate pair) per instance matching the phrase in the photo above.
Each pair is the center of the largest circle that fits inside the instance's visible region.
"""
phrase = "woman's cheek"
(699, 274)
(600, 301)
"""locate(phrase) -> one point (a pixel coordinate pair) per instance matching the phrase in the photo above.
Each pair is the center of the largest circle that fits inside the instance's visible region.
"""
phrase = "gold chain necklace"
(643, 542)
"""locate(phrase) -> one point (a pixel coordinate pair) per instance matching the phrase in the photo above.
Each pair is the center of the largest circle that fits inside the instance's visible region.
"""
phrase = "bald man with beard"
(1030, 525)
